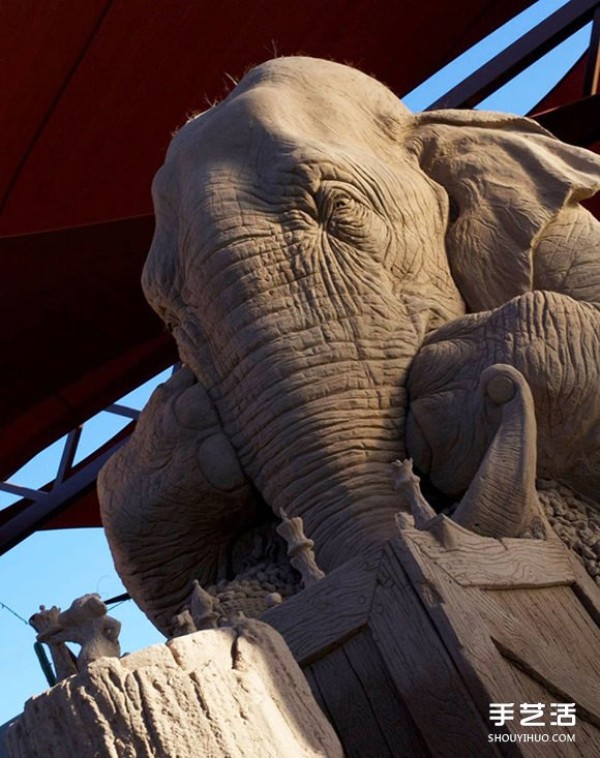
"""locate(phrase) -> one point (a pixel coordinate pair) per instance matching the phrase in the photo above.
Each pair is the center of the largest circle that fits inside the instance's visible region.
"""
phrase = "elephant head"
(304, 248)
(297, 288)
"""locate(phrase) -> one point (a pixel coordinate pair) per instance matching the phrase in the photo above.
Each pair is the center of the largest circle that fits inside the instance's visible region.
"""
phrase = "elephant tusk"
(300, 549)
(502, 499)
(407, 483)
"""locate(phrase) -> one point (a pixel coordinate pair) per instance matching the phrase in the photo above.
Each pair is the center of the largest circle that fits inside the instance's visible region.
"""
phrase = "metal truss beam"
(71, 483)
(46, 505)
(516, 57)
(592, 72)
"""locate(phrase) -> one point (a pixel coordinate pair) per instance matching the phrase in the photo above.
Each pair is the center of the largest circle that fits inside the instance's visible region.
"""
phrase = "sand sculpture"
(233, 691)
(350, 284)
(87, 623)
(313, 238)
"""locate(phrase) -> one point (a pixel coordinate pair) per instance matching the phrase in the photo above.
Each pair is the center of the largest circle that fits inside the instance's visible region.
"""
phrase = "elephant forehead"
(302, 73)
(296, 109)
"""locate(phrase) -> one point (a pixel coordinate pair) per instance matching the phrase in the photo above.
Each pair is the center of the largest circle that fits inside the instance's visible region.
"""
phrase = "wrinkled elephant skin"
(296, 290)
(554, 341)
(174, 499)
(311, 232)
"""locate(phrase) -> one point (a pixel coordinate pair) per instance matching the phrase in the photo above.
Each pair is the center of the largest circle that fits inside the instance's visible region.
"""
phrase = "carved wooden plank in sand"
(453, 622)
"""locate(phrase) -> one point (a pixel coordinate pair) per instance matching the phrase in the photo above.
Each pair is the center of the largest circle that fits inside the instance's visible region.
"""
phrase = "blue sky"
(54, 567)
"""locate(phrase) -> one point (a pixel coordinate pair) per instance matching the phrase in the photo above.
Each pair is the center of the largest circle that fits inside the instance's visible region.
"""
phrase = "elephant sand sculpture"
(311, 232)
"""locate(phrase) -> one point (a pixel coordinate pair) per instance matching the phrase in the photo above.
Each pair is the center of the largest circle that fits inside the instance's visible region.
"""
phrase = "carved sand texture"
(364, 707)
(226, 692)
(311, 233)
(577, 523)
(86, 623)
(376, 665)
(503, 638)
(319, 294)
(501, 501)
(516, 220)
(62, 656)
(450, 622)
(554, 341)
(176, 499)
(252, 591)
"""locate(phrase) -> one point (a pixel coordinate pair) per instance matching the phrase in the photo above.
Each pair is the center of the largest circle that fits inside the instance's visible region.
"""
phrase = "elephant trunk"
(502, 500)
(330, 465)
(316, 426)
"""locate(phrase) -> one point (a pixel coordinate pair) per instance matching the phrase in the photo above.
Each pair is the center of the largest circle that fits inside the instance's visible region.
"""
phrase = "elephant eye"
(341, 203)
(348, 217)
(335, 202)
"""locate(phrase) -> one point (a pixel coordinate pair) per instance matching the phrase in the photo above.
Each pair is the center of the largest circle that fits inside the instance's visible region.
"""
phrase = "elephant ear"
(507, 179)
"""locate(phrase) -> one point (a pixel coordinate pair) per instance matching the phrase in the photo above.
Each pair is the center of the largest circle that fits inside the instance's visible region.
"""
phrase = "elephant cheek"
(219, 464)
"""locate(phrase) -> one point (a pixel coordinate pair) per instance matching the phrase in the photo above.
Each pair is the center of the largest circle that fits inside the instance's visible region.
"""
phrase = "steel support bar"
(24, 492)
(123, 410)
(40, 511)
(68, 456)
(48, 502)
(515, 58)
(592, 70)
